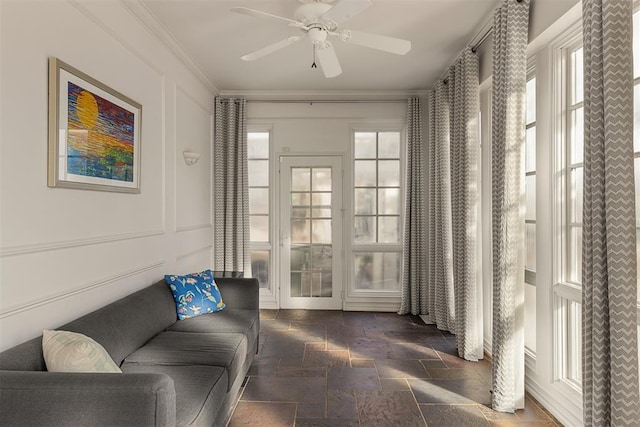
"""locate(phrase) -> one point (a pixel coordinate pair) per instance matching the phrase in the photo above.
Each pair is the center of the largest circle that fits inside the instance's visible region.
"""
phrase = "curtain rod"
(326, 101)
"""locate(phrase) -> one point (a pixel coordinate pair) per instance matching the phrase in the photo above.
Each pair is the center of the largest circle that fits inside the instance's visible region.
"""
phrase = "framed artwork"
(94, 133)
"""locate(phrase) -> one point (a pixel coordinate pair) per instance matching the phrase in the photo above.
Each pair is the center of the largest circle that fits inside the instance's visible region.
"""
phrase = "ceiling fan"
(318, 19)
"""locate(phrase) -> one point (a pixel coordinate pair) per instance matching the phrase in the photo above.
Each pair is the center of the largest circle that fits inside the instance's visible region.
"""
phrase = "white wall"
(66, 252)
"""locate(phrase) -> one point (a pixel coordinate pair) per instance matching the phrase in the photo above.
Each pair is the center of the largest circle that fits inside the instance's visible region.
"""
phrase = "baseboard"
(568, 415)
(380, 306)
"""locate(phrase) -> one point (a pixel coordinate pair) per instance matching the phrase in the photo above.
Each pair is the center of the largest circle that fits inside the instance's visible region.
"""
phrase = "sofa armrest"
(241, 293)
(38, 398)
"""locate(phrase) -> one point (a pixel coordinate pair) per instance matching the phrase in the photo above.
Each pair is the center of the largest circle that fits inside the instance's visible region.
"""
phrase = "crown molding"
(320, 95)
(156, 28)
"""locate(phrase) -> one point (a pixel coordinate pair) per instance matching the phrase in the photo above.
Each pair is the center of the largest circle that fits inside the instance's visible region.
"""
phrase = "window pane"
(300, 179)
(365, 201)
(576, 195)
(636, 45)
(389, 145)
(577, 136)
(636, 114)
(637, 177)
(578, 80)
(530, 150)
(530, 246)
(321, 213)
(530, 196)
(260, 267)
(575, 254)
(259, 228)
(258, 171)
(389, 173)
(365, 145)
(300, 213)
(259, 200)
(321, 179)
(377, 270)
(364, 229)
(388, 229)
(389, 201)
(258, 145)
(531, 100)
(321, 230)
(322, 257)
(365, 173)
(574, 341)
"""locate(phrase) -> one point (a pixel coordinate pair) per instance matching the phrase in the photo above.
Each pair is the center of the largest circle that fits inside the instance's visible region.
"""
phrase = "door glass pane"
(636, 45)
(321, 179)
(365, 145)
(377, 270)
(389, 145)
(300, 179)
(389, 173)
(364, 229)
(388, 229)
(311, 234)
(258, 145)
(365, 173)
(260, 267)
(365, 201)
(578, 81)
(531, 100)
(636, 115)
(575, 254)
(574, 341)
(530, 196)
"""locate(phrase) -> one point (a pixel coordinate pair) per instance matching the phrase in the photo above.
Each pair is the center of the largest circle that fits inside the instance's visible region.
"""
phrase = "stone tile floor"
(334, 368)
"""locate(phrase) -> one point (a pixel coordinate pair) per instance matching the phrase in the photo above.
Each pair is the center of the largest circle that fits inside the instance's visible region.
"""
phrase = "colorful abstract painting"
(100, 141)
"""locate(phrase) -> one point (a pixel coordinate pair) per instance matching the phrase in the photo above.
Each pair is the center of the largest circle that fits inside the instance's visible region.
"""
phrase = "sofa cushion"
(195, 294)
(227, 349)
(66, 351)
(200, 390)
(229, 320)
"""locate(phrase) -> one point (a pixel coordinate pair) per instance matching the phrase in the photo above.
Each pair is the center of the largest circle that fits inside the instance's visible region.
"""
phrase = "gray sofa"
(186, 372)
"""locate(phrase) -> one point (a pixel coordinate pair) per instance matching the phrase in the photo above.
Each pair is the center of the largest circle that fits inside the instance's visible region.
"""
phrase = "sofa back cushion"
(120, 327)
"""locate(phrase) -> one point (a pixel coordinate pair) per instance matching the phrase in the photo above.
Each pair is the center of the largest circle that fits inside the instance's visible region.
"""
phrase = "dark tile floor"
(334, 368)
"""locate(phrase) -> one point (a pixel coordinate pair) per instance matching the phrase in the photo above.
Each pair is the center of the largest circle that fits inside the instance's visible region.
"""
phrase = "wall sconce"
(190, 158)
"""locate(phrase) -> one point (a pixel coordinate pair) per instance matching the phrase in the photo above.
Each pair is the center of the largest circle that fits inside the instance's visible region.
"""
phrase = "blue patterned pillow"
(195, 294)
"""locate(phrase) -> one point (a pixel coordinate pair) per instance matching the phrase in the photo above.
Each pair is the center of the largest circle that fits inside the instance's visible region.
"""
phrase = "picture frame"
(94, 133)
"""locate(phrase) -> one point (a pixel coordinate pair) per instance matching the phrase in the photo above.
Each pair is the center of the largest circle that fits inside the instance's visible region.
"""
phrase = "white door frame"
(335, 162)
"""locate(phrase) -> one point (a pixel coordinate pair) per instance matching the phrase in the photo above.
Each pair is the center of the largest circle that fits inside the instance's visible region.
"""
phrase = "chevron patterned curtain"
(441, 293)
(414, 277)
(231, 188)
(610, 347)
(454, 303)
(464, 99)
(510, 32)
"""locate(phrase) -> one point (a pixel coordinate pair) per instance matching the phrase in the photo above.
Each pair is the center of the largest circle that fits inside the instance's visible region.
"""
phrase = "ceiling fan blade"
(271, 48)
(376, 41)
(345, 10)
(328, 60)
(260, 14)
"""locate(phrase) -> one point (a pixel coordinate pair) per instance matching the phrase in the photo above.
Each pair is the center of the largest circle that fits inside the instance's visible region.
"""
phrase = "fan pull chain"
(313, 65)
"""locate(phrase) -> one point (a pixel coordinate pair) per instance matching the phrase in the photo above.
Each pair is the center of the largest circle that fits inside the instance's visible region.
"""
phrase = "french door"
(311, 243)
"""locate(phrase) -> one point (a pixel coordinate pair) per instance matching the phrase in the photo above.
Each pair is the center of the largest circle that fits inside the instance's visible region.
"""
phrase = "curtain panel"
(414, 277)
(231, 188)
(454, 303)
(610, 347)
(510, 33)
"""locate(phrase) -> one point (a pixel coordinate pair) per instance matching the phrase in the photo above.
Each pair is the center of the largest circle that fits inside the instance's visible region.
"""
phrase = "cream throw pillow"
(72, 352)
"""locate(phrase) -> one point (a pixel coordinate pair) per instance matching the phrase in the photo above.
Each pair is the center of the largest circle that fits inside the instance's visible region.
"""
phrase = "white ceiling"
(215, 38)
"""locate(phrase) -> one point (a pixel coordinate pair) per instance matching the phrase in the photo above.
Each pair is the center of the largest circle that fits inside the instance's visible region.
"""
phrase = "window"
(259, 205)
(377, 198)
(530, 184)
(568, 209)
